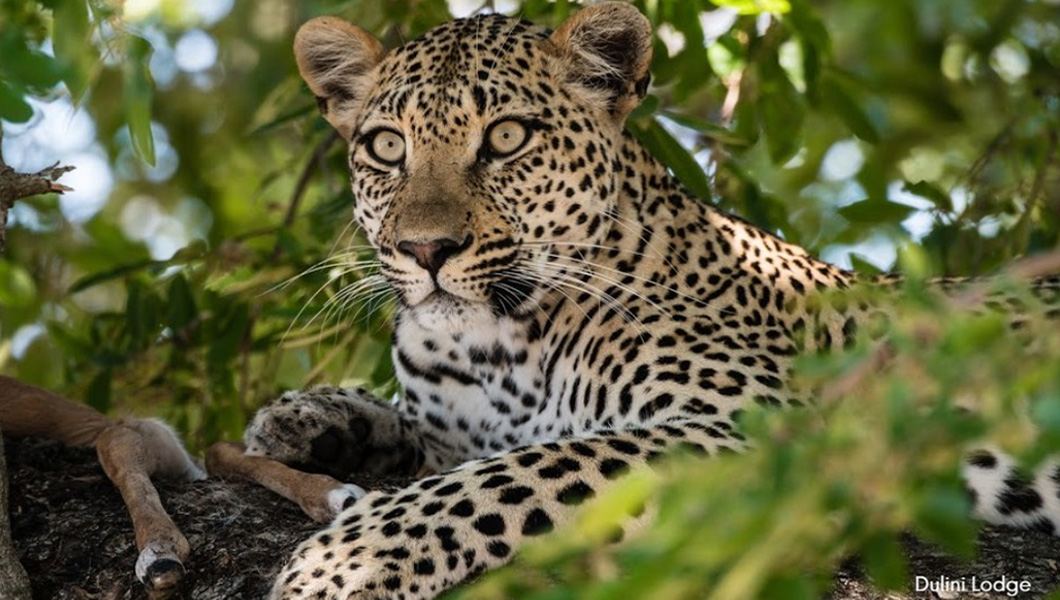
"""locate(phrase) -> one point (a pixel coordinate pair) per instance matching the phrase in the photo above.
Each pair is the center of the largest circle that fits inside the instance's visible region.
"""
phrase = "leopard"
(566, 310)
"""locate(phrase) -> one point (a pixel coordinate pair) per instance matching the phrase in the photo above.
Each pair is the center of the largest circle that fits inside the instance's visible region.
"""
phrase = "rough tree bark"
(77, 543)
(15, 186)
(14, 584)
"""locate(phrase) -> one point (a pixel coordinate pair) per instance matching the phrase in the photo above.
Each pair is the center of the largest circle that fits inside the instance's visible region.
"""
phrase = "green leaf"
(862, 265)
(693, 58)
(120, 271)
(708, 129)
(926, 189)
(181, 309)
(13, 107)
(27, 66)
(790, 587)
(227, 339)
(745, 122)
(291, 115)
(809, 26)
(138, 91)
(283, 103)
(943, 515)
(875, 211)
(755, 7)
(673, 155)
(134, 315)
(71, 36)
(843, 104)
(781, 108)
(17, 288)
(811, 72)
(646, 109)
(65, 340)
(1046, 414)
(383, 373)
(98, 392)
(885, 561)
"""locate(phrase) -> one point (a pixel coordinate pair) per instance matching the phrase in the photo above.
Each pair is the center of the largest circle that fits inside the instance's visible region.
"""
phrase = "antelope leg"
(131, 452)
(29, 410)
(320, 496)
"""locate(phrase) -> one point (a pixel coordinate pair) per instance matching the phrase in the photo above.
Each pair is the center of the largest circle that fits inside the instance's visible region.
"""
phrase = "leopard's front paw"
(330, 430)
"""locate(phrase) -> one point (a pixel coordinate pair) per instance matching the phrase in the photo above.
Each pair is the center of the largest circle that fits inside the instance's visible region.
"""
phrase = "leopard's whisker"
(591, 246)
(349, 290)
(555, 269)
(564, 278)
(649, 282)
(330, 262)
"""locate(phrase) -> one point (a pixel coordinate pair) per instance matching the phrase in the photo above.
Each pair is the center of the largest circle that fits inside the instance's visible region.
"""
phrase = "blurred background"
(206, 259)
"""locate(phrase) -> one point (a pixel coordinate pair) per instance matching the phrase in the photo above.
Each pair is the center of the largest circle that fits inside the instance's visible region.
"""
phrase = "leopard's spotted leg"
(1003, 494)
(438, 532)
(337, 431)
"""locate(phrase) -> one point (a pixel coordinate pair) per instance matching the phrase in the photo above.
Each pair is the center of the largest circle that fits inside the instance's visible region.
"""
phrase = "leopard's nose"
(432, 254)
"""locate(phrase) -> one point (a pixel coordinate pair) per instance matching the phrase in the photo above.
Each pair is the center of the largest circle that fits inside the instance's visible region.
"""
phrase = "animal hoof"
(164, 575)
(341, 498)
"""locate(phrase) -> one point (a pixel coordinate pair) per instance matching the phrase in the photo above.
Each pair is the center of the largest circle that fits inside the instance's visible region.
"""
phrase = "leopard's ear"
(605, 49)
(336, 58)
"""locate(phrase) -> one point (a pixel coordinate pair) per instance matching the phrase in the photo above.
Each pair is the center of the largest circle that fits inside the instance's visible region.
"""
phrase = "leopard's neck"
(667, 234)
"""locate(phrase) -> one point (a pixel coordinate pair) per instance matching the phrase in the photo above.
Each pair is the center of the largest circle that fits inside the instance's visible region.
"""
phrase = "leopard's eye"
(387, 147)
(506, 137)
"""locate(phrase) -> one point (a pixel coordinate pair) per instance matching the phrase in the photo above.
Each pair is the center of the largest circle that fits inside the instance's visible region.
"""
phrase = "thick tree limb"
(14, 186)
(14, 584)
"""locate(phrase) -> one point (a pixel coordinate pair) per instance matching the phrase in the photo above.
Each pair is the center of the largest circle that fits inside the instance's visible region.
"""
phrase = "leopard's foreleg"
(442, 530)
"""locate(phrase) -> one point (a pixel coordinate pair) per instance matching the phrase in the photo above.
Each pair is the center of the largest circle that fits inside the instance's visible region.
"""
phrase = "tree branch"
(15, 186)
(14, 583)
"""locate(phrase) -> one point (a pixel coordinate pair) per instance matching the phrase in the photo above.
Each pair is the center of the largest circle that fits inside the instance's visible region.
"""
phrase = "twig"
(15, 186)
(1025, 269)
(882, 353)
(300, 187)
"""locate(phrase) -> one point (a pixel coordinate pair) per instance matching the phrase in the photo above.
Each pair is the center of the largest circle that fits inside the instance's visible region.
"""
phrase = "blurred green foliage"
(842, 125)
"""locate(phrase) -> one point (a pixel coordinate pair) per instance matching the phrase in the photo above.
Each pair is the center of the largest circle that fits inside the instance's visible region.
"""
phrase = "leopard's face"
(478, 165)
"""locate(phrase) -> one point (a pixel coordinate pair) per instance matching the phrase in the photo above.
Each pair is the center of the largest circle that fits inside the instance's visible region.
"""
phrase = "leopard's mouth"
(445, 311)
(506, 296)
(442, 298)
(508, 291)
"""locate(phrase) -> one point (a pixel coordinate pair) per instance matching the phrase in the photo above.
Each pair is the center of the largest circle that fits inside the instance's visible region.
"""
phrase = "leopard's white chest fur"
(476, 392)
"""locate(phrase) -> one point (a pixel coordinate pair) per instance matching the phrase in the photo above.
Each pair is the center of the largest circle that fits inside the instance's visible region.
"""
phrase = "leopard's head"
(484, 154)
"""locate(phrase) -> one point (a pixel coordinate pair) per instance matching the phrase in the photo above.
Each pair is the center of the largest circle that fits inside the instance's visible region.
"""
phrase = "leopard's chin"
(445, 312)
